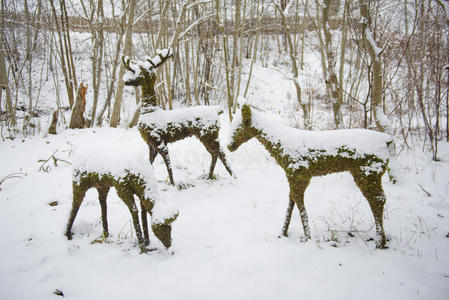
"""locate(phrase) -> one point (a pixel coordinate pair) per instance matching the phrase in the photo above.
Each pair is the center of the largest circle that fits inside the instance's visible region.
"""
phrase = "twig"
(45, 168)
(12, 175)
(427, 193)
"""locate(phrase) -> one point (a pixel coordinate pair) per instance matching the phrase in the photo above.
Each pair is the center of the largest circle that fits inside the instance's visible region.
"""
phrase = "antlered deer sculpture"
(159, 127)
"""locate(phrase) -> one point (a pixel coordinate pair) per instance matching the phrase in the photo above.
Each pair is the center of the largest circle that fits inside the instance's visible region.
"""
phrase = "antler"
(160, 58)
(126, 63)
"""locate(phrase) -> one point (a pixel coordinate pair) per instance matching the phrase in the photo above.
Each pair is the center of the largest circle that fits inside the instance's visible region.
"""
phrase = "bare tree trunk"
(115, 118)
(68, 45)
(37, 25)
(305, 109)
(235, 50)
(97, 55)
(115, 63)
(187, 70)
(369, 45)
(241, 28)
(77, 120)
(344, 39)
(206, 44)
(54, 122)
(332, 80)
(4, 85)
(62, 57)
(255, 47)
(227, 67)
(303, 34)
(29, 60)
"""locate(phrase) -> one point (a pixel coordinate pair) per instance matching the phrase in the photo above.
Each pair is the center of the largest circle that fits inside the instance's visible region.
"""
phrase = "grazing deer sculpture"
(159, 127)
(305, 154)
(130, 175)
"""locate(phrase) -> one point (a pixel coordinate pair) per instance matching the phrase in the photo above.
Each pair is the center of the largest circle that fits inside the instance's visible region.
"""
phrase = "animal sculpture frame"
(305, 154)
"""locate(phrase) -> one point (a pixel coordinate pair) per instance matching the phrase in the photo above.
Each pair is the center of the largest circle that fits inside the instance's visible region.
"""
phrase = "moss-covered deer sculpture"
(159, 127)
(305, 154)
(96, 166)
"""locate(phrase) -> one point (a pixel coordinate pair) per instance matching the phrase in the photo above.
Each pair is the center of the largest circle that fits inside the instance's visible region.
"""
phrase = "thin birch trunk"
(295, 73)
(115, 117)
(334, 86)
(115, 63)
(4, 85)
(369, 45)
(97, 58)
(62, 58)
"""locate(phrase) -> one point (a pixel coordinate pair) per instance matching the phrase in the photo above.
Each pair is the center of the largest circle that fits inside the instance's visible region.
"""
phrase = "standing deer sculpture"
(305, 154)
(159, 127)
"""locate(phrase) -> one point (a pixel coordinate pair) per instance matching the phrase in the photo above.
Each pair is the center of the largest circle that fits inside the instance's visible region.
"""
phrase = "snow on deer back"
(159, 127)
(303, 146)
(118, 152)
(202, 118)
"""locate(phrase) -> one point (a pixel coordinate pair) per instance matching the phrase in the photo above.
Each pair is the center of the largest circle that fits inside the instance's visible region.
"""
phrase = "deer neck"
(275, 148)
(149, 100)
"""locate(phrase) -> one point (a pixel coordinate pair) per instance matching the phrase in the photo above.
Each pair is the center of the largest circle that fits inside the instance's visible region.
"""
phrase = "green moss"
(126, 187)
(147, 81)
(163, 233)
(366, 170)
(246, 115)
(158, 138)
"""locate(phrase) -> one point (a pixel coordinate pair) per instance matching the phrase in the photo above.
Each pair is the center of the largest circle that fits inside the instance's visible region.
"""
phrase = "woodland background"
(375, 64)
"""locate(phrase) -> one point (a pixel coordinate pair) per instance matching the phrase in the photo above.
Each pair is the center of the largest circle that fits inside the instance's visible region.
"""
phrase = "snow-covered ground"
(226, 241)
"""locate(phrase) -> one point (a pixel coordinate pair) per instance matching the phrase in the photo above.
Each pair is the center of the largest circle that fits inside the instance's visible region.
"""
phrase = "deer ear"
(246, 113)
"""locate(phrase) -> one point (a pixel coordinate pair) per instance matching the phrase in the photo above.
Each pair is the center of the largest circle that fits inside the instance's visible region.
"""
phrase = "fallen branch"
(46, 167)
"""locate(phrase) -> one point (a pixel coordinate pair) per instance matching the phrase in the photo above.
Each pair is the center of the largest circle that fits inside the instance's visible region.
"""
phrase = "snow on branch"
(194, 24)
(141, 16)
(445, 6)
(176, 35)
(371, 42)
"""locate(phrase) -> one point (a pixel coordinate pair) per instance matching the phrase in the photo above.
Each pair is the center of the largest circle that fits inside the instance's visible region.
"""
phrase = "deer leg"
(153, 154)
(371, 188)
(222, 157)
(166, 158)
(143, 215)
(212, 165)
(304, 217)
(79, 191)
(103, 191)
(213, 147)
(297, 190)
(128, 198)
(377, 207)
(288, 216)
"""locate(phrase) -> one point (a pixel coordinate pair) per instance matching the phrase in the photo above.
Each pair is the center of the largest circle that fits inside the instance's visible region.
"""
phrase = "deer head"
(143, 72)
(162, 230)
(241, 128)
